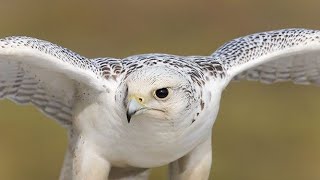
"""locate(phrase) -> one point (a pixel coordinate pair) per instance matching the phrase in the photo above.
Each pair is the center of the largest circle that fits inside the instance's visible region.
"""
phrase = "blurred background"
(263, 132)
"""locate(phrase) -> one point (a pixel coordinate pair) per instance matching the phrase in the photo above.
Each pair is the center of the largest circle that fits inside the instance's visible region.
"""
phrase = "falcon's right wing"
(44, 74)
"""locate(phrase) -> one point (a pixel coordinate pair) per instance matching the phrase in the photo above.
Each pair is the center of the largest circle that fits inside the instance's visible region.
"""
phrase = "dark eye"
(162, 93)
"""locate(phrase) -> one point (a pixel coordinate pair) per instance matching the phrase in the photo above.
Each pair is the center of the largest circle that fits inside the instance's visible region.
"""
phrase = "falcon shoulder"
(274, 56)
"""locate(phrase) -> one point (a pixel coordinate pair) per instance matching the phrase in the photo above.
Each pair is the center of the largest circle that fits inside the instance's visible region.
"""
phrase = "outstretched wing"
(44, 74)
(274, 56)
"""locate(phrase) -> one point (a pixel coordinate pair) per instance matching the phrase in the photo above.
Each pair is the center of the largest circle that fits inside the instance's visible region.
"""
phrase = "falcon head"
(158, 93)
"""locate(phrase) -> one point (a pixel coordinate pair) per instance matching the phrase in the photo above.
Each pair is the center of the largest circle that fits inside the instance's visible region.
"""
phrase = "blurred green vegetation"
(262, 132)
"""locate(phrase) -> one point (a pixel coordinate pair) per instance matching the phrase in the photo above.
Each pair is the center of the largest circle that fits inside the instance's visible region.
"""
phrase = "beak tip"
(128, 117)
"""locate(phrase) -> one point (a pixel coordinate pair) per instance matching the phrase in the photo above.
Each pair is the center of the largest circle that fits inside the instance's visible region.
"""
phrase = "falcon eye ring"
(161, 93)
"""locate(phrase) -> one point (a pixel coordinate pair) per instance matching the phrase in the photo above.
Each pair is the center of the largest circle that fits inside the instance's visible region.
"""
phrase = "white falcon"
(124, 116)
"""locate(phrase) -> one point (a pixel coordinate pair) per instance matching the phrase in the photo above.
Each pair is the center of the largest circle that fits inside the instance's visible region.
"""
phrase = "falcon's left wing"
(274, 56)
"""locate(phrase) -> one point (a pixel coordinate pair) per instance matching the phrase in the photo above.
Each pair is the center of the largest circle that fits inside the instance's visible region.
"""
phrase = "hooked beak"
(133, 106)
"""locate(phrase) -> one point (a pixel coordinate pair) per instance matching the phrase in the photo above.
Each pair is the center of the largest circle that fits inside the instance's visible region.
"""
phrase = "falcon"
(125, 116)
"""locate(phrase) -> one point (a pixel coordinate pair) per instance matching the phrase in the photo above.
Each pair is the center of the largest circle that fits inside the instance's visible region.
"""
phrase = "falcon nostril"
(140, 99)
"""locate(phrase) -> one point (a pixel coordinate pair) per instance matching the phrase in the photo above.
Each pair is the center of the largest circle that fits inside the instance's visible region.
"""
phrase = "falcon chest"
(143, 142)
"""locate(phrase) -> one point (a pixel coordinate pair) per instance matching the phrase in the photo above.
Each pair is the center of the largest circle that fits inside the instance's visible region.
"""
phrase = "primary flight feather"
(125, 116)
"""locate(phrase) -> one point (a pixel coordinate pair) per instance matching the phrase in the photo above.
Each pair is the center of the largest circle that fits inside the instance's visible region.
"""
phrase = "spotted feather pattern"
(59, 52)
(274, 56)
(199, 68)
(109, 68)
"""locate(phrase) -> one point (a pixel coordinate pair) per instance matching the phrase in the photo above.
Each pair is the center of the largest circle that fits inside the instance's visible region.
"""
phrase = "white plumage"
(125, 116)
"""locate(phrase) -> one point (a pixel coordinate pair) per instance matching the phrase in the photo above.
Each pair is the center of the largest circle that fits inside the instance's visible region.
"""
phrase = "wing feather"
(274, 56)
(45, 75)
